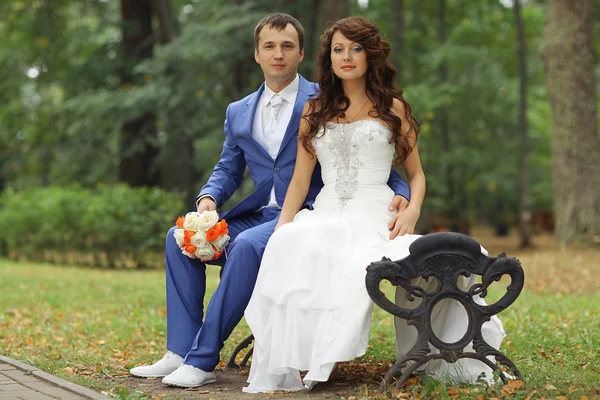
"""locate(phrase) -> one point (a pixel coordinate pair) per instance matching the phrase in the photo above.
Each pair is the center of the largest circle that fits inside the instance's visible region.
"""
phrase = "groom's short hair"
(279, 21)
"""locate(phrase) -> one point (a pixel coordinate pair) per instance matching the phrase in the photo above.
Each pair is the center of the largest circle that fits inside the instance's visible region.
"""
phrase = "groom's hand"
(398, 226)
(403, 223)
(399, 203)
(206, 204)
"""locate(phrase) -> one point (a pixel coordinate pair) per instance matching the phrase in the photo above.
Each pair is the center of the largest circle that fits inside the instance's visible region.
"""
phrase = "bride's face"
(348, 58)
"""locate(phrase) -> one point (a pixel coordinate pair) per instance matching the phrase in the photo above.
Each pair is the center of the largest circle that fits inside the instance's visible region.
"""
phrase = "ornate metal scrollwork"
(245, 343)
(447, 257)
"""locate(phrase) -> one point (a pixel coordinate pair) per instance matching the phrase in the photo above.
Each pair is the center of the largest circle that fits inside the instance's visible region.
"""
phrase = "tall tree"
(137, 165)
(524, 196)
(177, 171)
(444, 127)
(570, 69)
(311, 41)
(333, 10)
(398, 38)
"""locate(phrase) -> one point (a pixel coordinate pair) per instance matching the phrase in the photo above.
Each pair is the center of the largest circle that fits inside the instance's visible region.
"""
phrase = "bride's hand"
(403, 222)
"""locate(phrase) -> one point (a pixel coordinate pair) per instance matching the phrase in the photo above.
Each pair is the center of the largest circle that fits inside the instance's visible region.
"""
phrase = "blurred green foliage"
(61, 67)
(111, 226)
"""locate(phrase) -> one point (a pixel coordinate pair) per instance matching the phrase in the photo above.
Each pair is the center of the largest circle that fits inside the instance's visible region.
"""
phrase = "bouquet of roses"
(201, 235)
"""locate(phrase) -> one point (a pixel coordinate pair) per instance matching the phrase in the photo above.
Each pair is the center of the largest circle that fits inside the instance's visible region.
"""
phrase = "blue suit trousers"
(193, 334)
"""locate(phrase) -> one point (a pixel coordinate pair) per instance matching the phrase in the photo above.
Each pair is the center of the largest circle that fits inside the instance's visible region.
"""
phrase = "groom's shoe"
(188, 376)
(169, 363)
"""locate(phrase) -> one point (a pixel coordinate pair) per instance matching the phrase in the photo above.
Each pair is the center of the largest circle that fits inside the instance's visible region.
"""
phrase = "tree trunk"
(312, 41)
(177, 171)
(444, 127)
(398, 39)
(570, 71)
(416, 24)
(138, 150)
(524, 196)
(240, 72)
(332, 11)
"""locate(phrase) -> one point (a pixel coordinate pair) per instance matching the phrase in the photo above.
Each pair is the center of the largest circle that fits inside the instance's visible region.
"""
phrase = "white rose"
(207, 220)
(205, 253)
(199, 239)
(221, 242)
(178, 234)
(191, 221)
(187, 254)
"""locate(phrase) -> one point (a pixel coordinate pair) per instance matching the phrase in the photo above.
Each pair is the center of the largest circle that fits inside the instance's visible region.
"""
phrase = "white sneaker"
(188, 376)
(169, 363)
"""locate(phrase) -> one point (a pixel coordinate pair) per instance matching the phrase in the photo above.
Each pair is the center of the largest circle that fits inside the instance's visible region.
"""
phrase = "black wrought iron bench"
(445, 256)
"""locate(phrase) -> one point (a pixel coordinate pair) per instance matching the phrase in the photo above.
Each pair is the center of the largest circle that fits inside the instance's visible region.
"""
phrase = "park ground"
(89, 326)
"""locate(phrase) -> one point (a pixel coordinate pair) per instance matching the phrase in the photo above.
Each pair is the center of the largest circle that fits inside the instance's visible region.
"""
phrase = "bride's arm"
(404, 221)
(300, 183)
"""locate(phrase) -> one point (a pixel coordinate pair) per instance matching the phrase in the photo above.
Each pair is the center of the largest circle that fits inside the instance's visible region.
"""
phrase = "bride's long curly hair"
(332, 103)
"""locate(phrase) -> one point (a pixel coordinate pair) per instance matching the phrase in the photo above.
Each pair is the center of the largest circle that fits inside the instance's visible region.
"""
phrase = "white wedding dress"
(310, 308)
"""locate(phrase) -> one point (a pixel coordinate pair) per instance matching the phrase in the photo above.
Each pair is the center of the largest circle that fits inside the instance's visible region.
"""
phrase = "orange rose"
(179, 222)
(190, 248)
(212, 234)
(187, 236)
(222, 227)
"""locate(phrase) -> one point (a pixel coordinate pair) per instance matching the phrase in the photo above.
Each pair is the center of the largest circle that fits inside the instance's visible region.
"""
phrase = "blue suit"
(191, 333)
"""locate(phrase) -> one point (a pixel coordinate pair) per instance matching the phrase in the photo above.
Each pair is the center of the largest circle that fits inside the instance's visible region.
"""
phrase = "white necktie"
(276, 103)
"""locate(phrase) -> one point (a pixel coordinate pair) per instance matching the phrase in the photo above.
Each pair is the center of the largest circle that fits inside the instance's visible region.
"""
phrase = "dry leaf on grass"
(530, 395)
(516, 384)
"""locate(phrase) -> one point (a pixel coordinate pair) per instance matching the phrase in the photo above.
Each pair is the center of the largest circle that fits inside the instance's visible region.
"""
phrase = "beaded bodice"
(354, 156)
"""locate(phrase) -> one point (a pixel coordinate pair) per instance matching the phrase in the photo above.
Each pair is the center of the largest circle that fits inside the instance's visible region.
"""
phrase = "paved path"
(19, 381)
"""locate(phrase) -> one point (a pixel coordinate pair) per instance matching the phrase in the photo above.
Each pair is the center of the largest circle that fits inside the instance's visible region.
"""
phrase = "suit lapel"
(248, 118)
(305, 92)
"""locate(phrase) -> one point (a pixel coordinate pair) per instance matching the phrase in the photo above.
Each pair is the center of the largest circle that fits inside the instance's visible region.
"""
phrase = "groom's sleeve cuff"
(203, 196)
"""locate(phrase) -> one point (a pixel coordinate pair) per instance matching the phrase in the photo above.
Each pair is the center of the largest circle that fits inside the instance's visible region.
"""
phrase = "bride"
(310, 308)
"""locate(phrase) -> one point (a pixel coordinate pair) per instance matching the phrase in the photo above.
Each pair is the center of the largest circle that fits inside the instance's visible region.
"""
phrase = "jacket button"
(276, 169)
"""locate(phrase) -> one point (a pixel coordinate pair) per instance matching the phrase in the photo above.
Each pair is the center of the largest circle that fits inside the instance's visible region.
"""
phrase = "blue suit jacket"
(241, 150)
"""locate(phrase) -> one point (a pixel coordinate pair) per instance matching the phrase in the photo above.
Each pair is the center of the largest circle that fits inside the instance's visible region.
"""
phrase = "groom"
(260, 133)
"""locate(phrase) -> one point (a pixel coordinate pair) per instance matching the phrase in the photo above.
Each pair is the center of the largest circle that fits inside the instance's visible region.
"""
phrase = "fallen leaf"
(452, 391)
(508, 390)
(412, 380)
(530, 395)
(550, 387)
(516, 384)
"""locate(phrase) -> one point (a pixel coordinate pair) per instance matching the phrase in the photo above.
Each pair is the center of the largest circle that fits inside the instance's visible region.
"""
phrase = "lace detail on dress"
(345, 141)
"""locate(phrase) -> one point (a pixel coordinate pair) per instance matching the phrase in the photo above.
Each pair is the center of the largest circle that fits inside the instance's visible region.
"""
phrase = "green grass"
(86, 325)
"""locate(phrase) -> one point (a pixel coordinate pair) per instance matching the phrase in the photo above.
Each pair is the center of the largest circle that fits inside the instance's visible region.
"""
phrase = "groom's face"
(278, 53)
